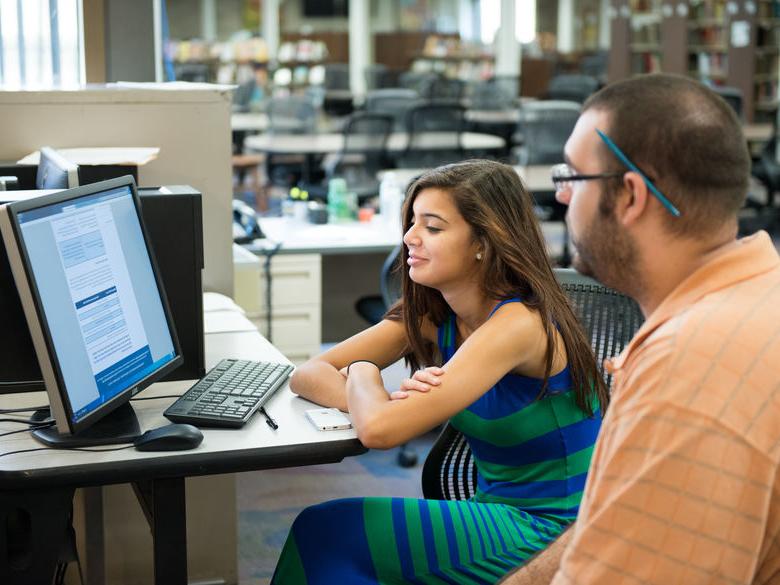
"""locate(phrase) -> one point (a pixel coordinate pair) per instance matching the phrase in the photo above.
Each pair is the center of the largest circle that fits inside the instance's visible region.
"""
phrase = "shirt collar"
(754, 255)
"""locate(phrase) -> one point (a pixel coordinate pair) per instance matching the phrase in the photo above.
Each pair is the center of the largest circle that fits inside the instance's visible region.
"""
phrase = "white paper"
(740, 33)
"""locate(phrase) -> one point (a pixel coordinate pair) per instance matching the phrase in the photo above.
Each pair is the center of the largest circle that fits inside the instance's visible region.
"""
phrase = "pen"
(268, 420)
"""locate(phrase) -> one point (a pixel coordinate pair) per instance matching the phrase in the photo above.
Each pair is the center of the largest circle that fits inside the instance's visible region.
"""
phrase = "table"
(42, 482)
(536, 177)
(332, 142)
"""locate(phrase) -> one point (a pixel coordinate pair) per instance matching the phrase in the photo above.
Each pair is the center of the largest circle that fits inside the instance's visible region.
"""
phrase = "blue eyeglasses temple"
(625, 160)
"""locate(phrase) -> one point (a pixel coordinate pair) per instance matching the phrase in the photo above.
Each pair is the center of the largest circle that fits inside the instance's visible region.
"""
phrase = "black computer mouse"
(177, 437)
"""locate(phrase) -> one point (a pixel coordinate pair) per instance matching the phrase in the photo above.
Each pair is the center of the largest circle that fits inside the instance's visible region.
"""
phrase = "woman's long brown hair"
(499, 209)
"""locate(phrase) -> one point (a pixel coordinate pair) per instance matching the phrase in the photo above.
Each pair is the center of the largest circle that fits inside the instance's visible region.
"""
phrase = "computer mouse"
(177, 437)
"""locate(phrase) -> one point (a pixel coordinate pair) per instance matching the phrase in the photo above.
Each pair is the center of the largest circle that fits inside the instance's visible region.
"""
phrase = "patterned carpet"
(268, 501)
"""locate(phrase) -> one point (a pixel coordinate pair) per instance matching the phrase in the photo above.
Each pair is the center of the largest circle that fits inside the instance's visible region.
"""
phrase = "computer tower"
(173, 219)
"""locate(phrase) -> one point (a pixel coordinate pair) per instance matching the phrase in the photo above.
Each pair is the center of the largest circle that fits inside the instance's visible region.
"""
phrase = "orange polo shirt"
(684, 485)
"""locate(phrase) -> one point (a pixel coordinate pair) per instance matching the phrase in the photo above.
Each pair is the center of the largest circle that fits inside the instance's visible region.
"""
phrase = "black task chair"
(288, 115)
(434, 135)
(733, 96)
(572, 87)
(393, 101)
(363, 155)
(766, 169)
(609, 319)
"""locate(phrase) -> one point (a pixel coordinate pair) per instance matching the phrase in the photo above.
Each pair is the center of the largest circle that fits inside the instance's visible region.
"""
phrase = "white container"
(391, 198)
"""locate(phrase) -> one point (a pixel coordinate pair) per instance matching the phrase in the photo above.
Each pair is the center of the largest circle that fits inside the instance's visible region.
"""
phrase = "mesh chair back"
(595, 65)
(417, 81)
(336, 76)
(544, 127)
(572, 87)
(377, 76)
(394, 102)
(364, 152)
(609, 319)
(487, 95)
(443, 88)
(434, 135)
(291, 115)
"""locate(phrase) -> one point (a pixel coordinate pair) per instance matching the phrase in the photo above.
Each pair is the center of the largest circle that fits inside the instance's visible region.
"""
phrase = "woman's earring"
(479, 255)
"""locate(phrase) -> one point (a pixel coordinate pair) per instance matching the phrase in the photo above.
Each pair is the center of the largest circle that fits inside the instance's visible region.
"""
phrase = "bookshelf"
(732, 43)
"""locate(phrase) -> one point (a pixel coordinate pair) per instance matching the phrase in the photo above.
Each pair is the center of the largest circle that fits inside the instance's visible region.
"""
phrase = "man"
(684, 484)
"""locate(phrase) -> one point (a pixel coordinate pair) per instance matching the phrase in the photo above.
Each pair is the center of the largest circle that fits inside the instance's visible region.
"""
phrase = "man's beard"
(606, 252)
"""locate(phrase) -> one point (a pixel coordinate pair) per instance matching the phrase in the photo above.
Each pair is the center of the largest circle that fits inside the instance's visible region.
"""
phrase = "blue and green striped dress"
(532, 458)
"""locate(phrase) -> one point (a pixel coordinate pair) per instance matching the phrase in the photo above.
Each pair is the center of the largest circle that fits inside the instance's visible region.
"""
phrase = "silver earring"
(479, 255)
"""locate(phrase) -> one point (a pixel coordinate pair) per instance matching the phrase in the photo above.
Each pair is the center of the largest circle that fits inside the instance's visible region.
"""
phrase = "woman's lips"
(415, 260)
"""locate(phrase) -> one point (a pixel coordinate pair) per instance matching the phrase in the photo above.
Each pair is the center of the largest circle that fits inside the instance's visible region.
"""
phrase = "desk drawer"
(292, 326)
(296, 279)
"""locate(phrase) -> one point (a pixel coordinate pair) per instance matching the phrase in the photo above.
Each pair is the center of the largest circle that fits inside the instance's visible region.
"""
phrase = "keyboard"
(229, 394)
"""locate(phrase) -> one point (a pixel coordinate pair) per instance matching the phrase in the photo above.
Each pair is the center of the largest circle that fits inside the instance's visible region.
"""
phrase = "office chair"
(393, 101)
(488, 95)
(288, 115)
(417, 81)
(363, 155)
(377, 76)
(595, 65)
(733, 97)
(542, 131)
(434, 135)
(444, 88)
(336, 82)
(766, 169)
(609, 320)
(572, 87)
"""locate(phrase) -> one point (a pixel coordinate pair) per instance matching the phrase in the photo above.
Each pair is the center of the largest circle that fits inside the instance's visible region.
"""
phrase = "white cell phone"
(328, 419)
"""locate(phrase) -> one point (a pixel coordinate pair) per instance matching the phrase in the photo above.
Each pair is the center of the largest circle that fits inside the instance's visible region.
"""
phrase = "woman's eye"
(432, 229)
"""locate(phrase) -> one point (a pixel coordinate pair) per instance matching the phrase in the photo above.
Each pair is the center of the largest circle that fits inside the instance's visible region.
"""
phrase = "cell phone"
(328, 419)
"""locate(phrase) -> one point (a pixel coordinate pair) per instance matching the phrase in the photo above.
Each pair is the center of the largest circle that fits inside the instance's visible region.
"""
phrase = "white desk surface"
(342, 238)
(535, 177)
(218, 444)
(325, 143)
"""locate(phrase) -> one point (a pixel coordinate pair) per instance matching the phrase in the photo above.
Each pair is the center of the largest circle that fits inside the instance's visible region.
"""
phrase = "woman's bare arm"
(319, 379)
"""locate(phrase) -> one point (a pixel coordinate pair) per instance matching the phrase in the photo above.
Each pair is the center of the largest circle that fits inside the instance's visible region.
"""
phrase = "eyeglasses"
(563, 175)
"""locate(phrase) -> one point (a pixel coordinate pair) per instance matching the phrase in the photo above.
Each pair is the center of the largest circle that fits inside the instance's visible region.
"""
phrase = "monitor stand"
(120, 426)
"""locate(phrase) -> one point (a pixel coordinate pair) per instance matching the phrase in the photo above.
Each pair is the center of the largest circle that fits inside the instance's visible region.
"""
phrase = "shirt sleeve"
(675, 497)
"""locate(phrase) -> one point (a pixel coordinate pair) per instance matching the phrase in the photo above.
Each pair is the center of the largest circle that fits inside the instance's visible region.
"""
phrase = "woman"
(516, 376)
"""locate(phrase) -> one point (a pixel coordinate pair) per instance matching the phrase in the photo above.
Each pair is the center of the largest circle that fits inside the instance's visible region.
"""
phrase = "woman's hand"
(421, 381)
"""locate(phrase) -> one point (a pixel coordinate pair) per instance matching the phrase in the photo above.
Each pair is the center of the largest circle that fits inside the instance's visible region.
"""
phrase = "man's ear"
(634, 202)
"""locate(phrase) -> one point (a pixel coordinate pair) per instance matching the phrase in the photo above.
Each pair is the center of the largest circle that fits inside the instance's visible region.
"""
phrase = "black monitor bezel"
(123, 397)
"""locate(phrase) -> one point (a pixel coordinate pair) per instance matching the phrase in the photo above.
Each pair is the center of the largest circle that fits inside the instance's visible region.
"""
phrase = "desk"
(43, 481)
(331, 142)
(536, 177)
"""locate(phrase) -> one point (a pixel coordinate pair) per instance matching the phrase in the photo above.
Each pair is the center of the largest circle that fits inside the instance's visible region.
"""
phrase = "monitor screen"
(88, 283)
(55, 171)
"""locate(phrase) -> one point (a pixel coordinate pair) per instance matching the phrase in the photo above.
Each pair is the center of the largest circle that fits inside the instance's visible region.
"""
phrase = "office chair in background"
(733, 97)
(434, 135)
(572, 87)
(288, 115)
(766, 170)
(393, 101)
(609, 319)
(363, 155)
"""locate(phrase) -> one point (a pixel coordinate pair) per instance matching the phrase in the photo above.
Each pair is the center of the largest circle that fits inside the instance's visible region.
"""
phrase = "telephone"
(245, 225)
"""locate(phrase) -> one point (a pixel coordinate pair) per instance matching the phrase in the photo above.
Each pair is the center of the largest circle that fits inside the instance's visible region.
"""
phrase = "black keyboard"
(229, 394)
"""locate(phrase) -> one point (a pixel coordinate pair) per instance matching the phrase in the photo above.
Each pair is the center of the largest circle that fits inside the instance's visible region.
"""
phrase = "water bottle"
(342, 205)
(391, 198)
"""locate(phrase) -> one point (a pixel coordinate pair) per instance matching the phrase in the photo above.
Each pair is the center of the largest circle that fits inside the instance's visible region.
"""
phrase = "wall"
(191, 127)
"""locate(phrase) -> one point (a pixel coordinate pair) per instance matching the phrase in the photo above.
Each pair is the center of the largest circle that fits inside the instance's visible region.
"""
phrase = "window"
(525, 20)
(40, 43)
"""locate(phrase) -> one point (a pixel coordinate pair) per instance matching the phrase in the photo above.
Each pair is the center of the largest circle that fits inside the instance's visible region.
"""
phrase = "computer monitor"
(55, 171)
(95, 306)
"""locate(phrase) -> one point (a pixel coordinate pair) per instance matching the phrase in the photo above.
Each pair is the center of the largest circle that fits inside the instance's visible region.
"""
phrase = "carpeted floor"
(268, 501)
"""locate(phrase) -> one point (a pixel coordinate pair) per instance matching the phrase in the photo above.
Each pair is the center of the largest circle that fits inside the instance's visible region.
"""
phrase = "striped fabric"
(532, 458)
